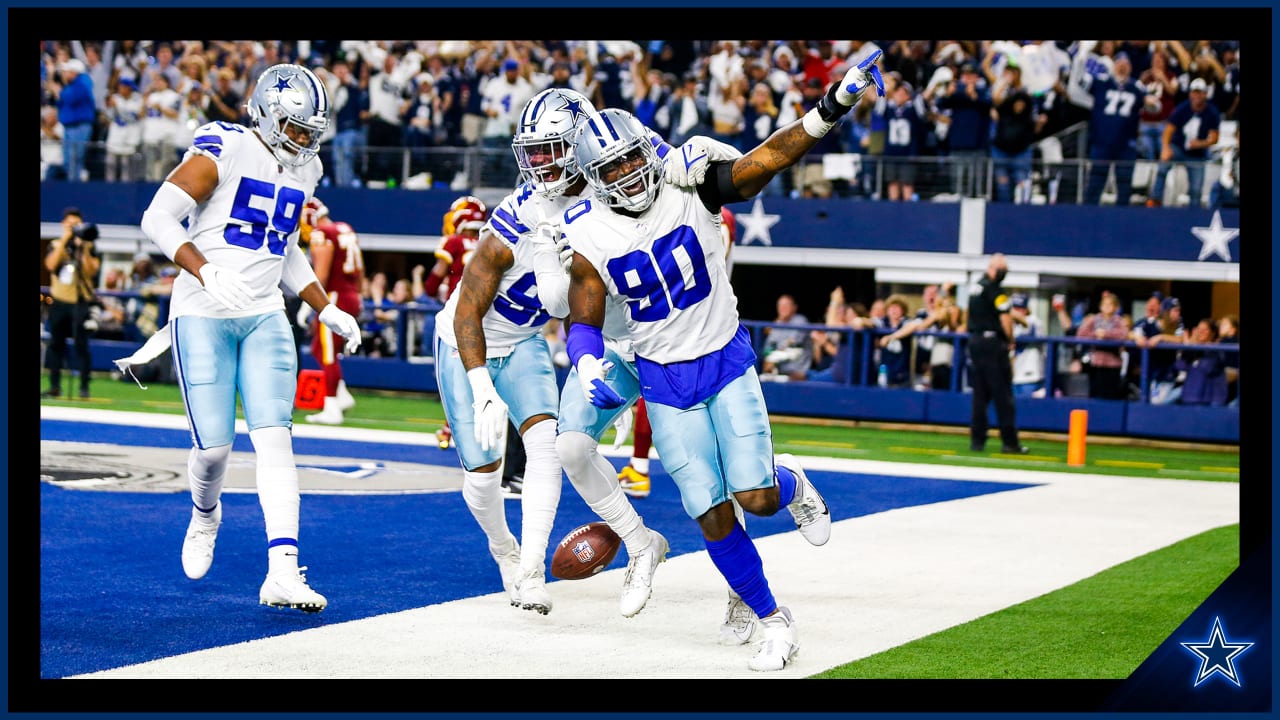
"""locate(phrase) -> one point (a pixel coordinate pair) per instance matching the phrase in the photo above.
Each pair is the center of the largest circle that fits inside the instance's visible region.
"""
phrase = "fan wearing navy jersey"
(1189, 132)
(1113, 129)
(242, 190)
(658, 249)
(905, 114)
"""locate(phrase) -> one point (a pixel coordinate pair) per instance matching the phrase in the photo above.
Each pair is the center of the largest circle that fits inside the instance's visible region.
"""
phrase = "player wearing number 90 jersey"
(659, 248)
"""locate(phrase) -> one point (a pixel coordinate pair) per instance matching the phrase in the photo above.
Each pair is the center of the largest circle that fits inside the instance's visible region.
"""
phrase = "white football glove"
(591, 373)
(622, 427)
(858, 79)
(341, 323)
(226, 286)
(687, 167)
(489, 410)
(304, 314)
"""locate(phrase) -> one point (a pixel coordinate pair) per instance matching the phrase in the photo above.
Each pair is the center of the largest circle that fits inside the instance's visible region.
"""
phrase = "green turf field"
(1101, 628)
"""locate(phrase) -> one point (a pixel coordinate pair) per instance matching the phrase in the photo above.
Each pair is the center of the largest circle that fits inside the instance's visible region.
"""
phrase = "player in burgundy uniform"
(336, 258)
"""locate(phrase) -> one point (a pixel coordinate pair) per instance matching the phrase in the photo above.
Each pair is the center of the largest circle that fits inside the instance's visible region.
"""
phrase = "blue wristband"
(584, 340)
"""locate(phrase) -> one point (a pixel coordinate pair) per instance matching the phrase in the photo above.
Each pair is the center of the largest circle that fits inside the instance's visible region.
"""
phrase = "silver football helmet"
(290, 98)
(614, 152)
(543, 143)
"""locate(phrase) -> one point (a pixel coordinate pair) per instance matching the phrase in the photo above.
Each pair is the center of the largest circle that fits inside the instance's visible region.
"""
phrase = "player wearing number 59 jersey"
(659, 248)
(243, 190)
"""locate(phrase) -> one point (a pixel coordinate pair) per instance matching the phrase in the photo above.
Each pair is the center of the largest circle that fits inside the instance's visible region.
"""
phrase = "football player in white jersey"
(659, 249)
(243, 190)
(491, 360)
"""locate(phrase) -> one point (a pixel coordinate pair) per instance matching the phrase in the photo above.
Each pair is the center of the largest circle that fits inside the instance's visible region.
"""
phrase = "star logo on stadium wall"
(1214, 239)
(755, 224)
(1217, 656)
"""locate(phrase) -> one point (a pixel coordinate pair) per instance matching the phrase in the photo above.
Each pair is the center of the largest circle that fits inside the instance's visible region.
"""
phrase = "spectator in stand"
(1229, 334)
(760, 119)
(1189, 132)
(907, 117)
(1028, 358)
(895, 355)
(967, 109)
(1205, 371)
(1159, 328)
(1228, 96)
(687, 111)
(787, 352)
(830, 347)
(162, 64)
(820, 62)
(422, 122)
(191, 115)
(225, 103)
(124, 137)
(51, 155)
(504, 97)
(1226, 189)
(1017, 125)
(374, 301)
(1161, 90)
(161, 106)
(1113, 130)
(77, 111)
(935, 356)
(114, 314)
(726, 94)
(350, 111)
(1105, 380)
(389, 99)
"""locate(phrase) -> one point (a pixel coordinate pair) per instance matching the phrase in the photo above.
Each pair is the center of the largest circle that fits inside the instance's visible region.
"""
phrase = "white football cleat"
(330, 415)
(289, 589)
(739, 622)
(345, 400)
(780, 643)
(809, 510)
(638, 583)
(197, 548)
(508, 559)
(531, 591)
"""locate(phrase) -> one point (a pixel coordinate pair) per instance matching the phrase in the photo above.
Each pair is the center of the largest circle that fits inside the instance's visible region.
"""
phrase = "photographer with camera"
(72, 265)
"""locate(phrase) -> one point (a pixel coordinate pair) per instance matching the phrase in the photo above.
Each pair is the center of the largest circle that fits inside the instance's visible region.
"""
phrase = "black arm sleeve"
(718, 189)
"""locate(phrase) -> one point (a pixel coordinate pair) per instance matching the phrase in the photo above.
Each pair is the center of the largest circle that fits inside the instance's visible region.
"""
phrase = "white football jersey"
(516, 312)
(667, 267)
(249, 221)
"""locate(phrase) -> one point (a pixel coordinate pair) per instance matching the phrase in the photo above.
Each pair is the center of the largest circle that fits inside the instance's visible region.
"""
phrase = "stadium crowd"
(125, 110)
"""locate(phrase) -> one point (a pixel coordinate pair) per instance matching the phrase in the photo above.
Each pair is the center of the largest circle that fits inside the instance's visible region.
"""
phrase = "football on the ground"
(585, 551)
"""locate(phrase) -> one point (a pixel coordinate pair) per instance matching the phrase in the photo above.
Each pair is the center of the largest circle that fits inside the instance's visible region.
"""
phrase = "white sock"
(641, 465)
(597, 482)
(278, 495)
(540, 495)
(483, 496)
(206, 472)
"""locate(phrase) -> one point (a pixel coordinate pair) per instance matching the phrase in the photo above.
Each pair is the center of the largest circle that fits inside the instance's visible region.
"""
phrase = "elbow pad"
(298, 273)
(162, 220)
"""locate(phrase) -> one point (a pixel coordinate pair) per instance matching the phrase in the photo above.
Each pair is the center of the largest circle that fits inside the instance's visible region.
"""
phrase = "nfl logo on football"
(584, 552)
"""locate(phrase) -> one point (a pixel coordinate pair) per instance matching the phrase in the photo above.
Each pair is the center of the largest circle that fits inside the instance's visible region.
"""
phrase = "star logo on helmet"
(283, 83)
(575, 108)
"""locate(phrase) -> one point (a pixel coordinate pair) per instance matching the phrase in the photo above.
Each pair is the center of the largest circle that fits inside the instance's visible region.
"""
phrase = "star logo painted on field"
(1214, 238)
(755, 224)
(1217, 655)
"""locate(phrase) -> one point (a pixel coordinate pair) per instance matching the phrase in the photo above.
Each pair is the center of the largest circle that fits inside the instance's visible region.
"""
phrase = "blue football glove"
(591, 372)
(842, 96)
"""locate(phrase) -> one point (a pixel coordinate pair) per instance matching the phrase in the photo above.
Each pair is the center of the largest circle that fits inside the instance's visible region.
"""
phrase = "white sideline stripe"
(882, 581)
